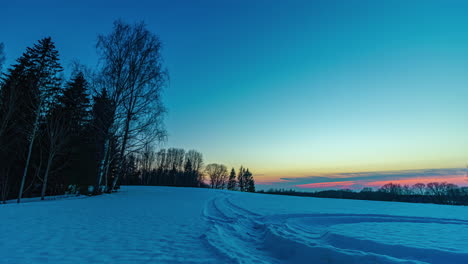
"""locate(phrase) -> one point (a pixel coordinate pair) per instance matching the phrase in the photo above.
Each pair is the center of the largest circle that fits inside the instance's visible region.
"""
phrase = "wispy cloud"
(359, 180)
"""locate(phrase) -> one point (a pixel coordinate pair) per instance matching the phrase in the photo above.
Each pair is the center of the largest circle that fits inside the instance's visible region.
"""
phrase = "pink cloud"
(334, 185)
(355, 184)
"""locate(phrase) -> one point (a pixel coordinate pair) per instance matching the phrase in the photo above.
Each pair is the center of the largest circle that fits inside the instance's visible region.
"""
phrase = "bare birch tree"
(133, 73)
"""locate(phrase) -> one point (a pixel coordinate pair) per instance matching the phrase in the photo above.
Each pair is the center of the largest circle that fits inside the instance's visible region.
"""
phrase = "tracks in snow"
(235, 232)
(246, 237)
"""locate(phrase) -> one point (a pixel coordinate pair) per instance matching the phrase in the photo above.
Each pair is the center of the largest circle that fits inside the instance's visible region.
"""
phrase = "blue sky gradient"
(290, 88)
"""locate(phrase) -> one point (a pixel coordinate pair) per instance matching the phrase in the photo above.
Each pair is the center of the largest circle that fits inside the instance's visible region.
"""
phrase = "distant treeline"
(176, 167)
(434, 192)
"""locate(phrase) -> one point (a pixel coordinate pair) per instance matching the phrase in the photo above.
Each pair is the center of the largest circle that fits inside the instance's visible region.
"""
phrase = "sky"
(305, 93)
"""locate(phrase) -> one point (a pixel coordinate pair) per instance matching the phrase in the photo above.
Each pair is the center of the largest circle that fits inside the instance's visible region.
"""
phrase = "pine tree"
(241, 179)
(41, 66)
(74, 106)
(250, 183)
(16, 115)
(232, 180)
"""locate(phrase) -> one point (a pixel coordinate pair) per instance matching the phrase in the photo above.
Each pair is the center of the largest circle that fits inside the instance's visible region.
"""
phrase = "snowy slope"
(187, 225)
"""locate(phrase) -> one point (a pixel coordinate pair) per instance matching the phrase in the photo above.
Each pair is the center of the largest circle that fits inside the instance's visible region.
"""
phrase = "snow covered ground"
(187, 225)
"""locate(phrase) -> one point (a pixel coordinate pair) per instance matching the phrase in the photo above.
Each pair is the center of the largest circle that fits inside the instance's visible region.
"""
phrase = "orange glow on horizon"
(460, 180)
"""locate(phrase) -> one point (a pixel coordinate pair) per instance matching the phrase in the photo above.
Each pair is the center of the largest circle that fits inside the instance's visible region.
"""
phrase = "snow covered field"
(186, 225)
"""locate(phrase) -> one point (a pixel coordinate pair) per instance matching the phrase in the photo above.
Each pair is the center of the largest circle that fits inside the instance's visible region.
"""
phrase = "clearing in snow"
(190, 225)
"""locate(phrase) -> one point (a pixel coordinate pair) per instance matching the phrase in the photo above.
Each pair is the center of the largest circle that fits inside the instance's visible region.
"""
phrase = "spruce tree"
(232, 180)
(75, 108)
(16, 115)
(250, 183)
(41, 66)
(241, 179)
(75, 104)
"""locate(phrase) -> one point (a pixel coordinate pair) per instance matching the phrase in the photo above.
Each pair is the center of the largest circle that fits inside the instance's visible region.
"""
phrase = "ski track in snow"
(247, 237)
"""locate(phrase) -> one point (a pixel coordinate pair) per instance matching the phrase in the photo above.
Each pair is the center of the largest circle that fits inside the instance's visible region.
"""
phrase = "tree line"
(434, 192)
(166, 167)
(177, 167)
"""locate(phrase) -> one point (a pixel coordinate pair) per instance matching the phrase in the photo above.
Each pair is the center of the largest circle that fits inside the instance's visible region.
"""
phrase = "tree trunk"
(102, 168)
(106, 173)
(46, 176)
(122, 152)
(31, 143)
(5, 187)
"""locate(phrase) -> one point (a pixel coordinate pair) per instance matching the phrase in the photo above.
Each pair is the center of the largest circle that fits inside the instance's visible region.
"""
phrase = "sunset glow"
(359, 180)
(460, 180)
